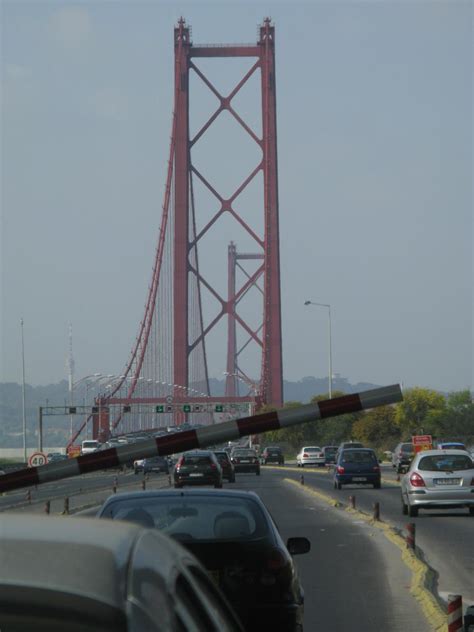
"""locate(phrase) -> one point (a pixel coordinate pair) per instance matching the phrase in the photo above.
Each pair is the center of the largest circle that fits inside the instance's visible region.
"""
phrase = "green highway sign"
(160, 409)
(219, 408)
(186, 408)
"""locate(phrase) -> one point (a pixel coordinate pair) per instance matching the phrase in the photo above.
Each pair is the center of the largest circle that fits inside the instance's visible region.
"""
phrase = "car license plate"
(243, 461)
(196, 474)
(214, 575)
(359, 479)
(447, 481)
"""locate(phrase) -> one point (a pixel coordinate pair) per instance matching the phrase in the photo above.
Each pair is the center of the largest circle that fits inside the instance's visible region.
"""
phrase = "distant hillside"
(56, 429)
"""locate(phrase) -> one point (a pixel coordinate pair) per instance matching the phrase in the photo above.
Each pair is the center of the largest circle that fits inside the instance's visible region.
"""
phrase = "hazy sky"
(375, 179)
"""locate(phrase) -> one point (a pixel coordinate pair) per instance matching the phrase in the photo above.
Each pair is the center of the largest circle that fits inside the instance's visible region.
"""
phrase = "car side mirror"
(297, 546)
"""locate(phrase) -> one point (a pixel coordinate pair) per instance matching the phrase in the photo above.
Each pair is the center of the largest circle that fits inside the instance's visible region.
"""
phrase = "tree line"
(422, 411)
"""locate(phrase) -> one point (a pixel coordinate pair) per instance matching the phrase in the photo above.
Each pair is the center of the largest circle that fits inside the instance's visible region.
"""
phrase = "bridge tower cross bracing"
(270, 340)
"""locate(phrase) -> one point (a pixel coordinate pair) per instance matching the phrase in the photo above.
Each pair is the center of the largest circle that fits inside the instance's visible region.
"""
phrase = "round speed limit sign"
(37, 459)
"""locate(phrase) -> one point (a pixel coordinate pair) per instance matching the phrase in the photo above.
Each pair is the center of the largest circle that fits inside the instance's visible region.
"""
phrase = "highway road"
(353, 575)
(445, 537)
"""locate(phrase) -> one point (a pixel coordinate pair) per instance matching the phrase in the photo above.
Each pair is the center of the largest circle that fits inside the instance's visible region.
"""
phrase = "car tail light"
(340, 469)
(320, 453)
(276, 560)
(416, 480)
(376, 468)
(472, 482)
(180, 462)
(236, 460)
(305, 455)
(213, 466)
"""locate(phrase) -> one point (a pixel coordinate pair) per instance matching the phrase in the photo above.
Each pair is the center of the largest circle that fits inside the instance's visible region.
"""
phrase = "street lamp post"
(329, 341)
(23, 389)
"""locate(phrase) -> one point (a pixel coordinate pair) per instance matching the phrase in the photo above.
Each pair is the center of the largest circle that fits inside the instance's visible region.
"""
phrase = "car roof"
(357, 449)
(448, 451)
(84, 558)
(151, 493)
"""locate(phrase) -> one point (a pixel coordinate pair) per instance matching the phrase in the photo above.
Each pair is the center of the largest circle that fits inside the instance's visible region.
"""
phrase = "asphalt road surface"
(353, 577)
(445, 537)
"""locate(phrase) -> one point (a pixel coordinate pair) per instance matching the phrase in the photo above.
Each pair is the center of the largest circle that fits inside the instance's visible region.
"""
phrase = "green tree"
(377, 428)
(456, 420)
(415, 412)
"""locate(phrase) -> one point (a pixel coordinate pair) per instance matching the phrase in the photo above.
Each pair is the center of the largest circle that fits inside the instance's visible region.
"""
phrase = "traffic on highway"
(262, 541)
(229, 446)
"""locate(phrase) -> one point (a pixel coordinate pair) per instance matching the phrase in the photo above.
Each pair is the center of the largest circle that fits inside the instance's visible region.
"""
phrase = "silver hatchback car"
(441, 479)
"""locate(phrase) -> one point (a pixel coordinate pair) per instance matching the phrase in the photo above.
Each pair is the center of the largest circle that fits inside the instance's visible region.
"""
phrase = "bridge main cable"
(202, 437)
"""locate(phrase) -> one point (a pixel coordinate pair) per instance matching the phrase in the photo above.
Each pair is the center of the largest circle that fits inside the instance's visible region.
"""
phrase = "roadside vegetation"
(423, 411)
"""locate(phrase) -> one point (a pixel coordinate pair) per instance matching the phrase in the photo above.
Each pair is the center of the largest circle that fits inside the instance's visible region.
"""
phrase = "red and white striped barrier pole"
(411, 535)
(201, 438)
(455, 623)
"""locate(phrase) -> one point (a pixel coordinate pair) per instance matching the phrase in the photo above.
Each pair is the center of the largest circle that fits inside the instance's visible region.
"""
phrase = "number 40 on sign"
(37, 459)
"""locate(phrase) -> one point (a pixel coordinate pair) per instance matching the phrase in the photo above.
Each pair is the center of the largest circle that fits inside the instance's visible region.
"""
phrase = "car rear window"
(312, 449)
(197, 459)
(274, 450)
(330, 450)
(196, 518)
(358, 456)
(407, 447)
(445, 463)
(244, 453)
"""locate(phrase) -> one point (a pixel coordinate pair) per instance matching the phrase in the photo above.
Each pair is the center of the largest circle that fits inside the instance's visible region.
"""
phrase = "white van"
(90, 445)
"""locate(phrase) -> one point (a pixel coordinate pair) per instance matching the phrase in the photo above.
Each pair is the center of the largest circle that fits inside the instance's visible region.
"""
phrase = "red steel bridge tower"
(168, 362)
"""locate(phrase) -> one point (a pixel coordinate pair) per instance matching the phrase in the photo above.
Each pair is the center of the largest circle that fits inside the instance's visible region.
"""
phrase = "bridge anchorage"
(171, 347)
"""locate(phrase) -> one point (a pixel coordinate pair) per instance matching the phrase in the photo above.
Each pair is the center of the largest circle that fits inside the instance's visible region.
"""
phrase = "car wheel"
(257, 472)
(377, 485)
(178, 485)
(404, 507)
(218, 485)
(412, 511)
(135, 471)
(338, 485)
(232, 480)
(471, 511)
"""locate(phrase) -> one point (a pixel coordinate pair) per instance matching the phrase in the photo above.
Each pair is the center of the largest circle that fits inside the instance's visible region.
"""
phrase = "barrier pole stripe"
(258, 424)
(201, 438)
(308, 412)
(340, 406)
(227, 431)
(58, 470)
(455, 622)
(22, 478)
(381, 396)
(177, 442)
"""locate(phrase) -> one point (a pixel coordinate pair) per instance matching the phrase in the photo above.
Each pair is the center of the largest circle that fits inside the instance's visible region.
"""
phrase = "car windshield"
(358, 456)
(445, 463)
(199, 517)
